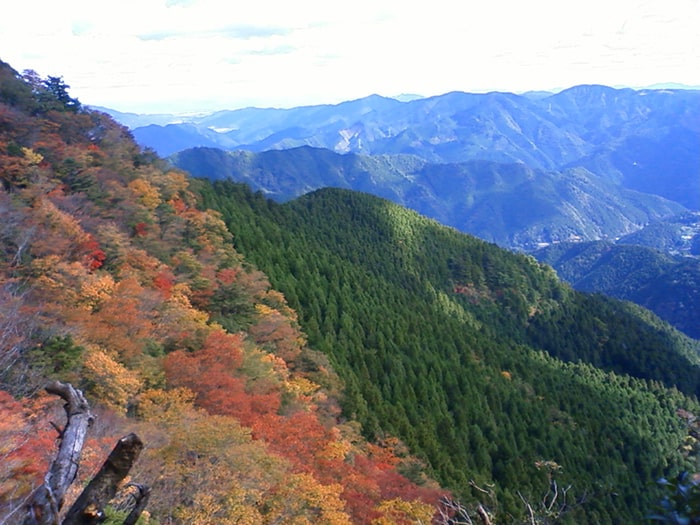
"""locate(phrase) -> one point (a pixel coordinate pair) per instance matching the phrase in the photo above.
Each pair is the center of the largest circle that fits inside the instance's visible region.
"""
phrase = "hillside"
(479, 359)
(679, 235)
(665, 284)
(112, 279)
(512, 205)
(378, 352)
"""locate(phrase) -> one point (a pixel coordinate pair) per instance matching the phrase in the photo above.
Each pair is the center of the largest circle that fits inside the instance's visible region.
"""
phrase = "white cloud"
(203, 54)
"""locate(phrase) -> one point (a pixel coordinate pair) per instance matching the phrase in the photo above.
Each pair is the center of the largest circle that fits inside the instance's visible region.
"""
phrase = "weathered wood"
(89, 507)
(46, 501)
(481, 511)
(141, 500)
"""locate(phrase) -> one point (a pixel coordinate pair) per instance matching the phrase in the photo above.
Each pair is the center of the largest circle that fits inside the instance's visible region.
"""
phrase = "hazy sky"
(202, 55)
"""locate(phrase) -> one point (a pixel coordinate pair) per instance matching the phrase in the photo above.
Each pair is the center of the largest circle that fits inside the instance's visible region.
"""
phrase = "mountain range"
(645, 140)
(510, 204)
(337, 358)
(588, 164)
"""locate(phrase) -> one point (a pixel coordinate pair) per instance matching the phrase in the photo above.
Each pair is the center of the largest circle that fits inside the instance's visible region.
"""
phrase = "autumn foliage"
(112, 278)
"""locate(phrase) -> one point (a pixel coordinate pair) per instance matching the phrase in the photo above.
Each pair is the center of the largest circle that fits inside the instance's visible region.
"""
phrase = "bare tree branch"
(481, 511)
(453, 513)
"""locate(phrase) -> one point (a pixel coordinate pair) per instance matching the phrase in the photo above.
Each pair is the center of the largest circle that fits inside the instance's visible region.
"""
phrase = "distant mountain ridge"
(645, 140)
(512, 205)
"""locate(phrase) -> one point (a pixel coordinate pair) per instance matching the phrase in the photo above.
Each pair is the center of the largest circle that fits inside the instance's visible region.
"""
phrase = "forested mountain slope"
(665, 284)
(679, 235)
(481, 360)
(113, 280)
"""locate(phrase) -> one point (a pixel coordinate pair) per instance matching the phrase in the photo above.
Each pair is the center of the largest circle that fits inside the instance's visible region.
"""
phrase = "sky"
(185, 56)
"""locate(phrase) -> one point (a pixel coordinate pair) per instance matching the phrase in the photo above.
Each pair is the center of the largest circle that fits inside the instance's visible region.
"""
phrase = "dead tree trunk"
(47, 500)
(45, 503)
(140, 500)
(88, 508)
